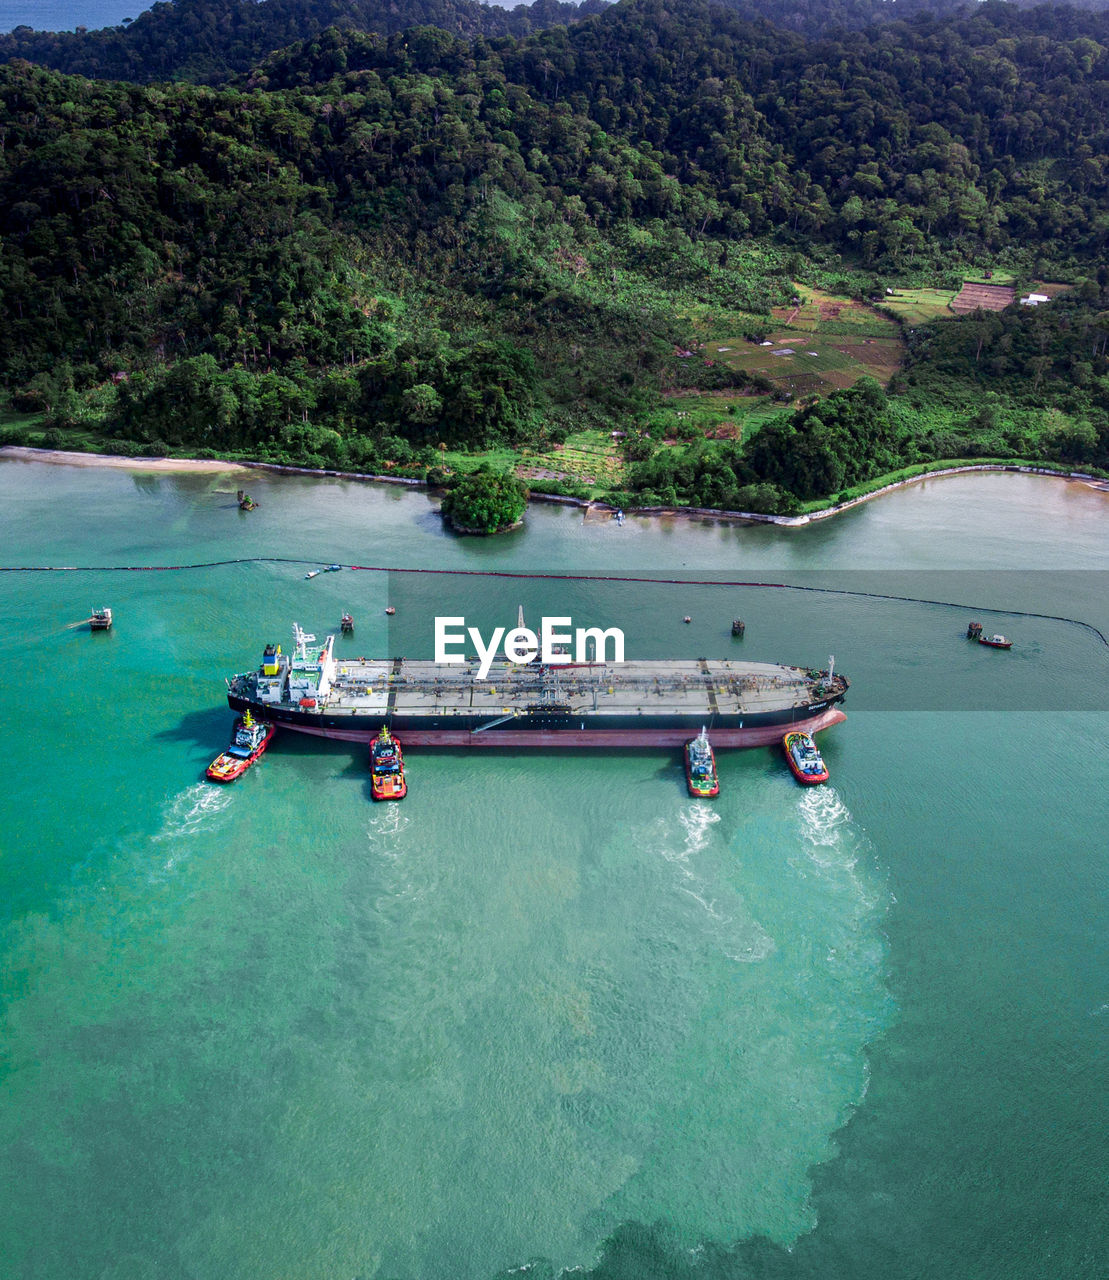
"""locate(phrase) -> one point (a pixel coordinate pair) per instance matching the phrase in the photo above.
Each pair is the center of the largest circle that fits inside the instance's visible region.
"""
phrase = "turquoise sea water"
(550, 1010)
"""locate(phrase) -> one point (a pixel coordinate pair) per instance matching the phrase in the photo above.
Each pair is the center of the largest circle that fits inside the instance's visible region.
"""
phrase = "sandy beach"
(594, 510)
(113, 460)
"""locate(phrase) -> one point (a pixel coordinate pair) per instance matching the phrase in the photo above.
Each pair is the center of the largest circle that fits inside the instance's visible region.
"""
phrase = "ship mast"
(301, 641)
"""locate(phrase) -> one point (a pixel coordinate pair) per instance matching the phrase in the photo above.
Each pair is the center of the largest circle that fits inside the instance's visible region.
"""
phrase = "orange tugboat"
(249, 739)
(700, 767)
(387, 768)
(805, 762)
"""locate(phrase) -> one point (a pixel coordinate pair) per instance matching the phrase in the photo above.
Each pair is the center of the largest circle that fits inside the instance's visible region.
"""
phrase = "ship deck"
(683, 688)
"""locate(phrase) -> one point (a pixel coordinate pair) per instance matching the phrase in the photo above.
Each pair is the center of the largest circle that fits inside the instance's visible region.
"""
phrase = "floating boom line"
(566, 577)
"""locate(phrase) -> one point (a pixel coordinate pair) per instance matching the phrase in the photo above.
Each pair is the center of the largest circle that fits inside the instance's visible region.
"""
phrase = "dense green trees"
(705, 474)
(209, 41)
(485, 502)
(1009, 377)
(846, 438)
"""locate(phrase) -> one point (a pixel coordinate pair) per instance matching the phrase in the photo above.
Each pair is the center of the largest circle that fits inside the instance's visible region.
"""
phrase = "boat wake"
(830, 841)
(193, 810)
(188, 814)
(741, 938)
(698, 819)
(388, 820)
(823, 817)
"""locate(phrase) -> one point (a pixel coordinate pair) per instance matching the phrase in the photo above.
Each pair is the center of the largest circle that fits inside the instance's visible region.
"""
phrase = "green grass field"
(9, 418)
(919, 306)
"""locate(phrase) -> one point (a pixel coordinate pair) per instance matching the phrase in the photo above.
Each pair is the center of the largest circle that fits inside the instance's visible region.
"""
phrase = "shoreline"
(72, 458)
(201, 465)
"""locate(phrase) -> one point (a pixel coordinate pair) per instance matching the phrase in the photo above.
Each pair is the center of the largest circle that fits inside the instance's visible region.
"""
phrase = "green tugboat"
(700, 767)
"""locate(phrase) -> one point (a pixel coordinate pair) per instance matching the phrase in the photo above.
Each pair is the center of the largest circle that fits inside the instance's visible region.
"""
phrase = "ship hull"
(569, 732)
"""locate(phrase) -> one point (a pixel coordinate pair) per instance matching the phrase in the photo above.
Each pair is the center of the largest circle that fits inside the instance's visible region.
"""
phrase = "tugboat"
(805, 762)
(249, 739)
(387, 768)
(995, 642)
(100, 620)
(700, 767)
(738, 628)
(346, 624)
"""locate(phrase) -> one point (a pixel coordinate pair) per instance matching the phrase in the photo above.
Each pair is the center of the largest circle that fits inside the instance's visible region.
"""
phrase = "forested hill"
(209, 41)
(984, 131)
(824, 17)
(424, 238)
(212, 41)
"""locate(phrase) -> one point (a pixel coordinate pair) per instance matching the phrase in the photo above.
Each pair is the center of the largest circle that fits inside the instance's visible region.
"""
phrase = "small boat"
(312, 573)
(387, 767)
(389, 610)
(346, 624)
(246, 502)
(249, 739)
(700, 767)
(100, 620)
(333, 568)
(619, 517)
(738, 627)
(995, 642)
(805, 762)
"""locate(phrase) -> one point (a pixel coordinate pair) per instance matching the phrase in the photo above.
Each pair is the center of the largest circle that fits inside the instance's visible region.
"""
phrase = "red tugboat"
(700, 767)
(249, 739)
(805, 762)
(387, 767)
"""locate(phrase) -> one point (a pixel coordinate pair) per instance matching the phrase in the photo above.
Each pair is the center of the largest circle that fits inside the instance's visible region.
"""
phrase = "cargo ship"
(595, 704)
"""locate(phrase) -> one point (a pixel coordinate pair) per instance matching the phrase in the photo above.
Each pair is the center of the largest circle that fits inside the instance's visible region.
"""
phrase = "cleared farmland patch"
(823, 344)
(976, 295)
(589, 458)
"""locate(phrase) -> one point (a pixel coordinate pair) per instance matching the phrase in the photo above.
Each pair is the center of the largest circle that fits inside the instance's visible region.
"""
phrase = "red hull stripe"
(571, 739)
